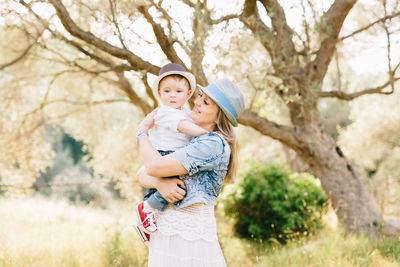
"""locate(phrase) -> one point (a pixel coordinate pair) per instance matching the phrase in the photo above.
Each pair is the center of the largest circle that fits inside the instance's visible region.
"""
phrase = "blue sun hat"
(227, 96)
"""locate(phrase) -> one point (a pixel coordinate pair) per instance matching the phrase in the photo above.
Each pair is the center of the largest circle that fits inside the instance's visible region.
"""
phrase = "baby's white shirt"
(165, 135)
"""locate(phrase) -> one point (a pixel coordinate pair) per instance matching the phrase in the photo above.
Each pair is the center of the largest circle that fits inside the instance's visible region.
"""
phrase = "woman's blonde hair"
(225, 128)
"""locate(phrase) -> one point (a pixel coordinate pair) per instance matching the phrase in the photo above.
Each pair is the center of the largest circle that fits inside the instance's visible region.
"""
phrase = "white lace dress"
(186, 237)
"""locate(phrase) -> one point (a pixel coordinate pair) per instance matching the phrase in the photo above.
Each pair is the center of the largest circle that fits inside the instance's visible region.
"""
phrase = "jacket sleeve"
(202, 154)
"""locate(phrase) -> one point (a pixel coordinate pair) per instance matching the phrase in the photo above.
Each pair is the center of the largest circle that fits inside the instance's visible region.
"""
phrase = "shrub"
(270, 203)
(78, 189)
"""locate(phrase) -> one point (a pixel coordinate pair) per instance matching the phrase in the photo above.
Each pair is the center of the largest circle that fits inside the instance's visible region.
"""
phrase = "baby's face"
(174, 92)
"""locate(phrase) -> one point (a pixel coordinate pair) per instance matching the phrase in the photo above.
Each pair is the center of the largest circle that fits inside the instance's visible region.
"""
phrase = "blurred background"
(75, 81)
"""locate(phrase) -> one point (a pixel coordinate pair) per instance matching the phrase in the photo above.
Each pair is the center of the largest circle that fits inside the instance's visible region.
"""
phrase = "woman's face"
(204, 112)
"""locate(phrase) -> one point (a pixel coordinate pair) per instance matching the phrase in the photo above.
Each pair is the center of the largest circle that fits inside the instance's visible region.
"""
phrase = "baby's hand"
(148, 122)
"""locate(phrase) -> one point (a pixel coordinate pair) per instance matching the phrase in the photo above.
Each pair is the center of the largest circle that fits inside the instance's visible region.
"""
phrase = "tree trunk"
(357, 211)
(295, 162)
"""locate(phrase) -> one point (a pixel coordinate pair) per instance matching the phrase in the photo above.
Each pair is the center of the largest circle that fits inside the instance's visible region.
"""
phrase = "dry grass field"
(38, 231)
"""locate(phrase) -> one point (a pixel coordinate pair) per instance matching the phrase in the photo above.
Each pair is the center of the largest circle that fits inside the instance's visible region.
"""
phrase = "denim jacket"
(206, 159)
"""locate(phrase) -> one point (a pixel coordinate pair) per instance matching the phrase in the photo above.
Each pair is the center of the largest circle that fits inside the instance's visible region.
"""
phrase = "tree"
(297, 59)
(379, 146)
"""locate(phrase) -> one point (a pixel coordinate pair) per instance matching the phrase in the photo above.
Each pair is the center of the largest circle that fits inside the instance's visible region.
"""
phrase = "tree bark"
(357, 211)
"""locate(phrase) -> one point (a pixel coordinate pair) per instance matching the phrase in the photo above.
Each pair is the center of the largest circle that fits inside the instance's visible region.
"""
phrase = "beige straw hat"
(173, 68)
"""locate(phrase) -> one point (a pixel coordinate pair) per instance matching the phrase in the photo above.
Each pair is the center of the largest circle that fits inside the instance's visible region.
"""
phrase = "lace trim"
(194, 222)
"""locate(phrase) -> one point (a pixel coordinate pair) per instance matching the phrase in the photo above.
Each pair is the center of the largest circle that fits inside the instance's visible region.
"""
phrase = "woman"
(186, 233)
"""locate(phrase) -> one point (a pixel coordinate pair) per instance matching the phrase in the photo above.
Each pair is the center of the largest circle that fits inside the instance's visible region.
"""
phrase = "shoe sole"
(141, 234)
(141, 224)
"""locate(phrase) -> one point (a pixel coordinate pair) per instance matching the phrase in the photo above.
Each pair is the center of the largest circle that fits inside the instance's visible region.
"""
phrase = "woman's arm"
(169, 188)
(157, 165)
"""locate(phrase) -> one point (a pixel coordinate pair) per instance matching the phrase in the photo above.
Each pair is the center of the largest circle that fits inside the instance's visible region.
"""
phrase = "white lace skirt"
(186, 237)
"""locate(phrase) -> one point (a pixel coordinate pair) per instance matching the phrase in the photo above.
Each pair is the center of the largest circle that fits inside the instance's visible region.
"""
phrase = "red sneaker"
(144, 236)
(146, 220)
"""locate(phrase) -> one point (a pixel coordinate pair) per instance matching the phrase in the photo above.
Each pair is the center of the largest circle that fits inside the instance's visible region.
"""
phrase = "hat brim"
(190, 77)
(229, 116)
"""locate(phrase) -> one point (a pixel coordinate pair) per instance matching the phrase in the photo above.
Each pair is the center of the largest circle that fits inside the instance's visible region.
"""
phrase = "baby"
(173, 129)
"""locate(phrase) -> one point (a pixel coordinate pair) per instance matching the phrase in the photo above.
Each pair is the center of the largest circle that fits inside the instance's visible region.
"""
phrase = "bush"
(272, 204)
(78, 189)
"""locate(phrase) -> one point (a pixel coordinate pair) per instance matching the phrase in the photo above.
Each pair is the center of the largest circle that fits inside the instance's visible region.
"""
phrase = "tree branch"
(345, 96)
(168, 18)
(20, 57)
(307, 41)
(370, 25)
(136, 62)
(125, 85)
(225, 18)
(276, 40)
(163, 40)
(339, 74)
(189, 3)
(251, 19)
(122, 84)
(279, 24)
(101, 60)
(201, 27)
(282, 133)
(264, 34)
(75, 103)
(114, 19)
(24, 52)
(118, 69)
(78, 46)
(331, 24)
(388, 49)
(149, 91)
(256, 91)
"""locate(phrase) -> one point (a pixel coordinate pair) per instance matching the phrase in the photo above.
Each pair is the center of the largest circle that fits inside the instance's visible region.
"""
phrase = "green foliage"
(68, 154)
(272, 204)
(390, 247)
(70, 169)
(75, 147)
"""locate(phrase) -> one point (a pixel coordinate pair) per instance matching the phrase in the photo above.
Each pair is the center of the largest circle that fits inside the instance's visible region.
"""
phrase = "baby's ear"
(189, 92)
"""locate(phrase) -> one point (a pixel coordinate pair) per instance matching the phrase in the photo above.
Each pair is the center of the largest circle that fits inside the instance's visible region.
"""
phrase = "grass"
(329, 247)
(42, 232)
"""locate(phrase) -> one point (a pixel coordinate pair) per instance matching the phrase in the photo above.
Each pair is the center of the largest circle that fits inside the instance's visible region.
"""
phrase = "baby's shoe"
(146, 220)
(144, 236)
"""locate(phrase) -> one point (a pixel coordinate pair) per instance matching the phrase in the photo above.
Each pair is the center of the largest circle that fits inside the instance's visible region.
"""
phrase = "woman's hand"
(147, 122)
(171, 189)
